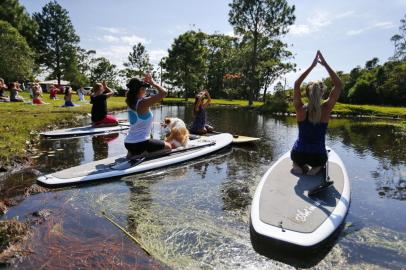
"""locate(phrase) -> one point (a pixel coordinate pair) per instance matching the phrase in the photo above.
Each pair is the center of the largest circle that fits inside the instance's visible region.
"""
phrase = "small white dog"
(179, 134)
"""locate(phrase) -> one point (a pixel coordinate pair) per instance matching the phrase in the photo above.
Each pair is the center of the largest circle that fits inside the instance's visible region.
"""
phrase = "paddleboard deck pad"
(119, 166)
(85, 130)
(282, 208)
(237, 139)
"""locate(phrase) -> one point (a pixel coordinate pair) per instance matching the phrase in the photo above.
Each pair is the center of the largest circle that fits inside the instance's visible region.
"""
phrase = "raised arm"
(155, 98)
(337, 84)
(297, 95)
(208, 101)
(107, 91)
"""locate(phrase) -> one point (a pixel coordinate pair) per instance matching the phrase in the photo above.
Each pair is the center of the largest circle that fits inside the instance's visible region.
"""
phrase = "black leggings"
(150, 145)
(314, 160)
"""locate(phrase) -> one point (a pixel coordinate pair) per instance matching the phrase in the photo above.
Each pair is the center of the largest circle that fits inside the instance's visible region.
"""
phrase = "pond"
(195, 215)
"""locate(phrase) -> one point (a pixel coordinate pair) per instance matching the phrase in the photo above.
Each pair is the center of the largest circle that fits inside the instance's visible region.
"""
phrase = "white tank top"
(140, 128)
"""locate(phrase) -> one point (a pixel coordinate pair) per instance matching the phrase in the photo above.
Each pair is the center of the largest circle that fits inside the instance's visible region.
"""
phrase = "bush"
(277, 102)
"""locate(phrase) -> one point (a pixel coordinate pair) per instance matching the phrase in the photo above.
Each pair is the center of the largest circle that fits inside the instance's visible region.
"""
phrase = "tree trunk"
(253, 70)
(58, 62)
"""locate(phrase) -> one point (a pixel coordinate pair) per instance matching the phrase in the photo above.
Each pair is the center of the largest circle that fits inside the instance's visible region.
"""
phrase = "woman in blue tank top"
(138, 141)
(309, 151)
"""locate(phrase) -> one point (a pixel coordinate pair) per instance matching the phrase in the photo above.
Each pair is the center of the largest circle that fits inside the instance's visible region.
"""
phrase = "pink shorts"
(108, 119)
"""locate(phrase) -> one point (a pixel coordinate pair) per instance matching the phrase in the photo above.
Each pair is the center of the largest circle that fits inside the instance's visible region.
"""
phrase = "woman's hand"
(148, 79)
(321, 59)
(104, 83)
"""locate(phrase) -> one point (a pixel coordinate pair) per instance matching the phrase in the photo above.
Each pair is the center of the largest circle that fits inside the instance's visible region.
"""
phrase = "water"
(196, 215)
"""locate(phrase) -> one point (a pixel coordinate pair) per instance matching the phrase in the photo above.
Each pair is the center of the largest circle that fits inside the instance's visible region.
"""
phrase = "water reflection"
(195, 215)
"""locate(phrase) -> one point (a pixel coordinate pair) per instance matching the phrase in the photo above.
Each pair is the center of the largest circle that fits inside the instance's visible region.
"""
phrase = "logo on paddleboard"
(302, 214)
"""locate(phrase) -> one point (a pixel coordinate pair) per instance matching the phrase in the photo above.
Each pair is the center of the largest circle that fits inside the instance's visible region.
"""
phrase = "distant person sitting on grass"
(199, 125)
(36, 92)
(3, 88)
(52, 92)
(14, 89)
(100, 93)
(312, 119)
(68, 97)
(81, 93)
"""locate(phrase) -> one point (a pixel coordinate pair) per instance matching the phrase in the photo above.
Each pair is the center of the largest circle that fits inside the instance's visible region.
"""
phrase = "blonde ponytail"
(314, 92)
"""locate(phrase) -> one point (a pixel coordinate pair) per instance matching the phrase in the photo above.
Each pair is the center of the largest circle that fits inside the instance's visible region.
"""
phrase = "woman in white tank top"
(138, 141)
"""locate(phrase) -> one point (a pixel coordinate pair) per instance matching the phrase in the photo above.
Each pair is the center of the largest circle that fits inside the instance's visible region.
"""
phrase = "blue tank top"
(311, 138)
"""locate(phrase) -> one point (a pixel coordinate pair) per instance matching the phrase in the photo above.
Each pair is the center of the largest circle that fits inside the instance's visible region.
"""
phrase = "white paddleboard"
(239, 139)
(119, 166)
(85, 130)
(282, 209)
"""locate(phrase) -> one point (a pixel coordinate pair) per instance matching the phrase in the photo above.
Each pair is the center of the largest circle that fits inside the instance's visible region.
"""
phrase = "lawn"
(235, 102)
(20, 123)
(365, 110)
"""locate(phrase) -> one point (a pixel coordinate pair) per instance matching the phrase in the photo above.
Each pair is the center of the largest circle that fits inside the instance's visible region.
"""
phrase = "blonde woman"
(309, 151)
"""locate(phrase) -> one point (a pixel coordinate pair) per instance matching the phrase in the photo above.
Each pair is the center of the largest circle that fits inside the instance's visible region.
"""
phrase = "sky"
(348, 33)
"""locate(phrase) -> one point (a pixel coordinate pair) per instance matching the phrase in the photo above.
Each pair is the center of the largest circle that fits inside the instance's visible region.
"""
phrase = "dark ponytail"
(132, 98)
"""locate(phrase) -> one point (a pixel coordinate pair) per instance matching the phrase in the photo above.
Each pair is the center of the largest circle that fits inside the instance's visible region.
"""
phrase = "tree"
(399, 41)
(16, 57)
(257, 19)
(104, 70)
(138, 62)
(221, 51)
(185, 65)
(57, 40)
(14, 13)
(271, 66)
(370, 64)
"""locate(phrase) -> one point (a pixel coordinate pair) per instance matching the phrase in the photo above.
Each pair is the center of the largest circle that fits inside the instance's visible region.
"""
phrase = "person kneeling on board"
(100, 93)
(138, 141)
(312, 118)
(199, 125)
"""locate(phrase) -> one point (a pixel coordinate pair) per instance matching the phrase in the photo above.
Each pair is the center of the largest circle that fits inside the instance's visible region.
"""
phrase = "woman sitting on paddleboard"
(199, 125)
(138, 141)
(100, 93)
(310, 149)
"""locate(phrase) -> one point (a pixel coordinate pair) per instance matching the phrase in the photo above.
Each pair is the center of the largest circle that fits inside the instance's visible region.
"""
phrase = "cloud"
(378, 25)
(114, 30)
(300, 29)
(127, 40)
(156, 55)
(316, 21)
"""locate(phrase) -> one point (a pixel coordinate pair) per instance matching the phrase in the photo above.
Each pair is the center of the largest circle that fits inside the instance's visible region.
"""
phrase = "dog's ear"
(167, 120)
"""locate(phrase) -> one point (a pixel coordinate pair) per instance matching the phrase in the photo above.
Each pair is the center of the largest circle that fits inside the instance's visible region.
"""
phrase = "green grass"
(214, 102)
(370, 110)
(20, 123)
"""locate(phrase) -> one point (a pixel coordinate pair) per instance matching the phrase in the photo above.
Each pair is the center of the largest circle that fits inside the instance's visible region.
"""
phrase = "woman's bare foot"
(314, 170)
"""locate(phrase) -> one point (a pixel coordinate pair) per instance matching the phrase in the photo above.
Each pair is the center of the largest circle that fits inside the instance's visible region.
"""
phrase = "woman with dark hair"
(312, 118)
(138, 141)
(68, 97)
(14, 89)
(100, 118)
(199, 125)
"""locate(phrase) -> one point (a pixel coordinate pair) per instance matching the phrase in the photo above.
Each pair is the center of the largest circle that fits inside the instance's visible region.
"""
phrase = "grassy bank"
(20, 123)
(365, 110)
(182, 101)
